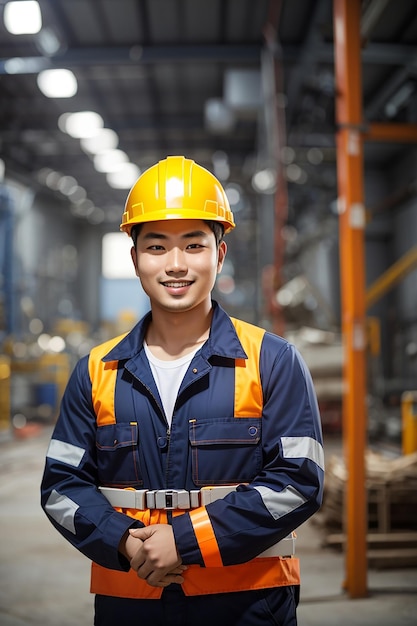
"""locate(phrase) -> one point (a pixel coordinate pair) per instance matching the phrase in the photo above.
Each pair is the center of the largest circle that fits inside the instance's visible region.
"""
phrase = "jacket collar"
(223, 340)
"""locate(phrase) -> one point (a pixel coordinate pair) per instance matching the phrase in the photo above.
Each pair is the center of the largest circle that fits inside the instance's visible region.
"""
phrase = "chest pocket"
(118, 455)
(117, 443)
(225, 450)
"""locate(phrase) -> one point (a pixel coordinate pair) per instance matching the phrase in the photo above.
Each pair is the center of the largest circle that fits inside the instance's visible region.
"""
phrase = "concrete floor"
(45, 582)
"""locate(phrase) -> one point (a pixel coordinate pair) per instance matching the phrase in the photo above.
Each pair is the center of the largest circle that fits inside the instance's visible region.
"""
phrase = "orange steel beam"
(409, 421)
(402, 133)
(349, 142)
(393, 275)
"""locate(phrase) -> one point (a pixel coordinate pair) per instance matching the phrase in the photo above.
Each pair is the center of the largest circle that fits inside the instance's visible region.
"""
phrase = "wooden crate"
(384, 550)
(391, 485)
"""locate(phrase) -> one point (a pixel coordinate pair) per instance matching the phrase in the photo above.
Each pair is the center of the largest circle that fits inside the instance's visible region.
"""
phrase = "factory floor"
(45, 582)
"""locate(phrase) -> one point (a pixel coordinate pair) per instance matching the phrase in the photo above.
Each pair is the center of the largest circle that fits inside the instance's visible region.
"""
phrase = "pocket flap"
(118, 435)
(239, 431)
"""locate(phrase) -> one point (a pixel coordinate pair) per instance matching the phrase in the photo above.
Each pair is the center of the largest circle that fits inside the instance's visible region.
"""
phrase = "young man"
(188, 450)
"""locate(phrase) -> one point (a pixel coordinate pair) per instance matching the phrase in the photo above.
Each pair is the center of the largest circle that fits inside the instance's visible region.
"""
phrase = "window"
(116, 260)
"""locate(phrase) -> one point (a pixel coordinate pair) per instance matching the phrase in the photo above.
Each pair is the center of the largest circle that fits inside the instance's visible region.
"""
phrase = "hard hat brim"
(183, 214)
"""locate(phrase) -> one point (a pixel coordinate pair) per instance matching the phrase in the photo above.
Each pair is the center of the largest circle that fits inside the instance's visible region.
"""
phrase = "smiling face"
(177, 262)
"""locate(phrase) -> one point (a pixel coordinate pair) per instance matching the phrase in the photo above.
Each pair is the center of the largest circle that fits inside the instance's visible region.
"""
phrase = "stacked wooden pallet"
(391, 485)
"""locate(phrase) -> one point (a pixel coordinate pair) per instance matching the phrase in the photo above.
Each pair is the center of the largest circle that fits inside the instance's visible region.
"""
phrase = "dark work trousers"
(243, 608)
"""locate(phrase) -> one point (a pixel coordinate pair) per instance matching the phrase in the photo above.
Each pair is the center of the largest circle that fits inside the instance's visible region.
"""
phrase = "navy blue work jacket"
(277, 458)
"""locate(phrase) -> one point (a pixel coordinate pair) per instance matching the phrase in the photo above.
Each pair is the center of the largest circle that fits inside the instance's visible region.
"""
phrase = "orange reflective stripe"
(103, 381)
(110, 582)
(248, 388)
(206, 538)
(261, 573)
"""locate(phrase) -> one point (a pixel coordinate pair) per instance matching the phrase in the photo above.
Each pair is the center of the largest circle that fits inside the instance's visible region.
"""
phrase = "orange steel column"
(352, 272)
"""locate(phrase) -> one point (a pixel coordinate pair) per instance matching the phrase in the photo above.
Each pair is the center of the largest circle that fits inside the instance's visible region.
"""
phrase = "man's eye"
(193, 246)
(155, 247)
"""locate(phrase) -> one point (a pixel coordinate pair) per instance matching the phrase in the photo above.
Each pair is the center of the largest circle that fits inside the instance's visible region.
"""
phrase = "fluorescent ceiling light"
(67, 185)
(125, 177)
(110, 161)
(57, 83)
(264, 181)
(218, 116)
(78, 194)
(81, 124)
(48, 43)
(52, 179)
(234, 194)
(17, 65)
(23, 17)
(85, 208)
(105, 139)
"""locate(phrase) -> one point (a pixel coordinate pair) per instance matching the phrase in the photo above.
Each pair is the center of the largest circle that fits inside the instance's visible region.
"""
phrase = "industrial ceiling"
(190, 77)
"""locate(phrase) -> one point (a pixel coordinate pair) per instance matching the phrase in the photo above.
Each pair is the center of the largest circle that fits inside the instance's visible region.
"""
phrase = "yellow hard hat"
(173, 189)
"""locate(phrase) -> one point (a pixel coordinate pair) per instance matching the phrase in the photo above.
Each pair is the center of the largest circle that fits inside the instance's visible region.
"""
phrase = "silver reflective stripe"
(280, 503)
(62, 509)
(65, 452)
(303, 448)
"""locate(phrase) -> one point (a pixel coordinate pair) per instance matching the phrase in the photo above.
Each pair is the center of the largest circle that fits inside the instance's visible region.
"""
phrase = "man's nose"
(176, 261)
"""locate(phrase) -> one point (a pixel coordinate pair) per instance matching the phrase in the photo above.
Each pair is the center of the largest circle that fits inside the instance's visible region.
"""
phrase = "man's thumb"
(140, 533)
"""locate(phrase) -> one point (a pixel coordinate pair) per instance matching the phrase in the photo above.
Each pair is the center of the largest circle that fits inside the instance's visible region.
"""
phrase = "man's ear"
(134, 256)
(221, 255)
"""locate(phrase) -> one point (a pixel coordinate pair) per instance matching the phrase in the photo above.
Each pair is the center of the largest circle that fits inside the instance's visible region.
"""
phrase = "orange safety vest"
(259, 573)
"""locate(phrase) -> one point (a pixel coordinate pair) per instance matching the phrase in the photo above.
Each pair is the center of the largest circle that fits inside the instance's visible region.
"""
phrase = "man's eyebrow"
(154, 236)
(195, 233)
(191, 235)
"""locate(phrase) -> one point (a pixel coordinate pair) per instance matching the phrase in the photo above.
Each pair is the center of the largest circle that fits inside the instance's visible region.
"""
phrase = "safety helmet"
(176, 188)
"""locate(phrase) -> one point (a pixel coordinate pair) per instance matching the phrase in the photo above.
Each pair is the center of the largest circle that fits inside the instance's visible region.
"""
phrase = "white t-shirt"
(168, 376)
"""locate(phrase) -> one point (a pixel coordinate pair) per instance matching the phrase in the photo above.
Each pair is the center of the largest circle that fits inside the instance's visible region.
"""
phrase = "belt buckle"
(170, 499)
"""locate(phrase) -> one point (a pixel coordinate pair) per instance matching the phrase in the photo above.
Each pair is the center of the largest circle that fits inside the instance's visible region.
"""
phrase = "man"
(188, 450)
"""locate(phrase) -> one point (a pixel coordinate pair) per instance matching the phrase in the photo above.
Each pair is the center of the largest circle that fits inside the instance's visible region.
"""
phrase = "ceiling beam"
(390, 54)
(407, 69)
(126, 55)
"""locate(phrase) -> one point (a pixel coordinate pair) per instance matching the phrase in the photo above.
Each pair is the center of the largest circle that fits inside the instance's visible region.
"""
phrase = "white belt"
(167, 499)
(170, 499)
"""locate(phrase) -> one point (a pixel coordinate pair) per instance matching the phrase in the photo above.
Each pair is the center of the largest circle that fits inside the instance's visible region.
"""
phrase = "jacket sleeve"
(69, 494)
(289, 487)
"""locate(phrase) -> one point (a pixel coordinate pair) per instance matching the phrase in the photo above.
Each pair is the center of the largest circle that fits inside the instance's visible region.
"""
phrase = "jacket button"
(253, 431)
(162, 442)
(195, 370)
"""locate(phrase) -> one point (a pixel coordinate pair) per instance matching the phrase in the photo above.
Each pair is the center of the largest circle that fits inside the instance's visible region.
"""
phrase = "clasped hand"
(153, 555)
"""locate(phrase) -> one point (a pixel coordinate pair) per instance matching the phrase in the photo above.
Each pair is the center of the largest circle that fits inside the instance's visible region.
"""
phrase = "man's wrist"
(122, 545)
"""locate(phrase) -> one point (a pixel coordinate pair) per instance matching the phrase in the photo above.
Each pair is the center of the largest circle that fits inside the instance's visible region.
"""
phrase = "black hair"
(216, 227)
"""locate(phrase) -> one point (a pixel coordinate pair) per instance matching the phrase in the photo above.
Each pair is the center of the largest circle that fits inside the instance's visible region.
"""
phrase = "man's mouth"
(177, 285)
